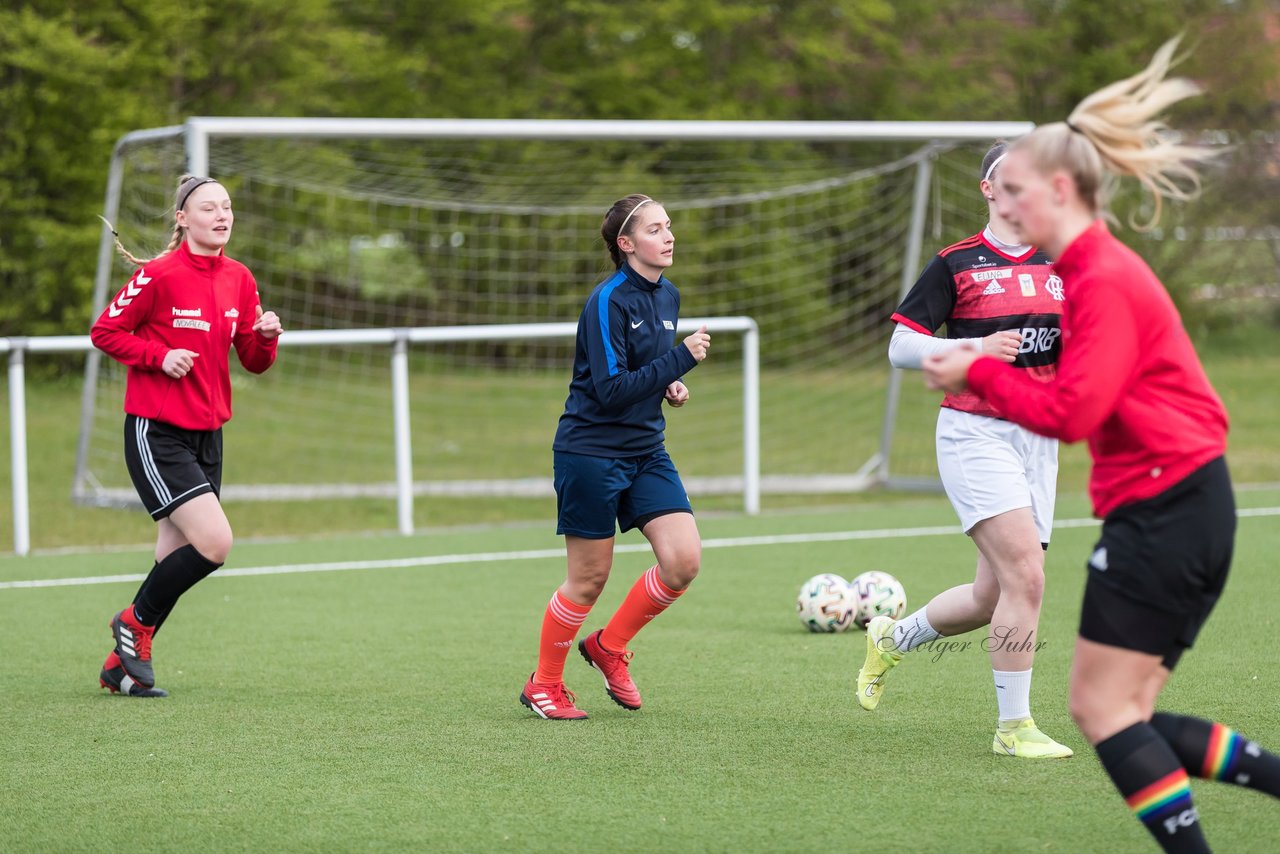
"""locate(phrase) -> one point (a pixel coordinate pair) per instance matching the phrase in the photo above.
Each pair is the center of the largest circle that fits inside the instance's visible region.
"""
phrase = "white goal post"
(812, 230)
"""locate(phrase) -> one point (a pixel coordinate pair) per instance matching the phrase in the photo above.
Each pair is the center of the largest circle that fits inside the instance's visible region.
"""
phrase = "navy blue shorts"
(592, 493)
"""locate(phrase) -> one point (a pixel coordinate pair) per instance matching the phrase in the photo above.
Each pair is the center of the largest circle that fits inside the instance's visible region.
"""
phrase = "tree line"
(76, 76)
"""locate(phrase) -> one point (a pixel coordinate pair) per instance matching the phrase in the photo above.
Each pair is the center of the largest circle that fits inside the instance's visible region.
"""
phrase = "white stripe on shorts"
(158, 486)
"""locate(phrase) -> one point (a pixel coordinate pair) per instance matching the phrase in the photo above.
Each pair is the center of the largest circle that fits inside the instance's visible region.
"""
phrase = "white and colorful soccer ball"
(826, 603)
(876, 593)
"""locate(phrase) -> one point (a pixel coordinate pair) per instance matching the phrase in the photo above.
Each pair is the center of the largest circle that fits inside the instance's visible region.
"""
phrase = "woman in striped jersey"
(1130, 383)
(998, 296)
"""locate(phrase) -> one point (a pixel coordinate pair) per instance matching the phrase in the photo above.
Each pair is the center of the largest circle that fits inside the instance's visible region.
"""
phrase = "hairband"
(994, 164)
(198, 182)
(1072, 127)
(628, 219)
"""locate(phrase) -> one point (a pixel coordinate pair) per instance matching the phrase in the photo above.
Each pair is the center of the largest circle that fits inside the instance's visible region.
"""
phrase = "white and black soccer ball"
(876, 593)
(826, 604)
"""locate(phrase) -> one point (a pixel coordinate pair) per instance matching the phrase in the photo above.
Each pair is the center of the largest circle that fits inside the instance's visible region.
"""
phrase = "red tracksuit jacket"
(202, 303)
(1128, 379)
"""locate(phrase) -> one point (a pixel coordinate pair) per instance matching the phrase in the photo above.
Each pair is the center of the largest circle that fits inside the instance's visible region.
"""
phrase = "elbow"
(1074, 430)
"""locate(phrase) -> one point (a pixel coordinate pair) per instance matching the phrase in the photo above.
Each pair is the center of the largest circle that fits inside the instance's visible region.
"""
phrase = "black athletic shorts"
(1160, 566)
(170, 466)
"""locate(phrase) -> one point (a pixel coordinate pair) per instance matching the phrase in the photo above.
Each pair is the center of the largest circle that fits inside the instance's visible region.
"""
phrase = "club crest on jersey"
(1054, 287)
(667, 324)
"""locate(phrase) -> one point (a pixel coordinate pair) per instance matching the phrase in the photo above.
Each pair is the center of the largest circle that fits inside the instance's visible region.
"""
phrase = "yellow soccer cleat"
(882, 656)
(1023, 738)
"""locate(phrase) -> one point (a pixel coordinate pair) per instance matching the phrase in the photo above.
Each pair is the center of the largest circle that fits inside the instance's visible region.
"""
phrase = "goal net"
(812, 231)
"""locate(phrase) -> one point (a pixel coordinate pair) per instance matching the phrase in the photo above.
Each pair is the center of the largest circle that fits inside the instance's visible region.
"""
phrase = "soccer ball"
(826, 603)
(876, 593)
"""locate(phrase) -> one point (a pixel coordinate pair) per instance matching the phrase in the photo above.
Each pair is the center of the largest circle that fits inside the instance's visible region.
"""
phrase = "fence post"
(18, 447)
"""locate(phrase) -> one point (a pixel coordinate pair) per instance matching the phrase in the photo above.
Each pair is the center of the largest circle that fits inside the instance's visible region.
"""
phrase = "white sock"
(1013, 694)
(912, 631)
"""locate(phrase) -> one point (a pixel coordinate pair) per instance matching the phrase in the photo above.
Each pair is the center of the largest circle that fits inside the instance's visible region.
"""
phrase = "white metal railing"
(398, 340)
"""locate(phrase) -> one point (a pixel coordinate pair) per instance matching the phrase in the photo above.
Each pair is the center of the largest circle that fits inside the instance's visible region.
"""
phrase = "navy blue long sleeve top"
(624, 360)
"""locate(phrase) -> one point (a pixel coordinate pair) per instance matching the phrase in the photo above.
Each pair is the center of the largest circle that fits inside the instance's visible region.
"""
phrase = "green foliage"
(75, 77)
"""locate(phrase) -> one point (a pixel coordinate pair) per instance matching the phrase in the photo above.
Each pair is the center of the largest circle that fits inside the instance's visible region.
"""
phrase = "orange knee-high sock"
(560, 625)
(648, 598)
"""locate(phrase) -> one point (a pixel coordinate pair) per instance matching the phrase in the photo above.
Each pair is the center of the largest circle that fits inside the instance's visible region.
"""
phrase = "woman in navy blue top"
(611, 467)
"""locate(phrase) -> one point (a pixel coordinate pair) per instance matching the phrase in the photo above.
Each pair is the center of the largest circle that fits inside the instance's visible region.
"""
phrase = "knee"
(1098, 717)
(683, 569)
(215, 547)
(1024, 579)
(1084, 712)
(585, 584)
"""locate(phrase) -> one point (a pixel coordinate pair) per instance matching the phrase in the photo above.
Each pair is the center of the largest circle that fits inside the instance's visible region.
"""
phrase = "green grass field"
(373, 706)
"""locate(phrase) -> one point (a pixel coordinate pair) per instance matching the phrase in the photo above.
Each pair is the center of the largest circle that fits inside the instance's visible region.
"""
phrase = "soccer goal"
(812, 230)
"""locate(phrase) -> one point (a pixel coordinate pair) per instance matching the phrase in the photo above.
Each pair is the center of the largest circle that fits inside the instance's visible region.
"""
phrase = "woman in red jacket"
(173, 325)
(1130, 383)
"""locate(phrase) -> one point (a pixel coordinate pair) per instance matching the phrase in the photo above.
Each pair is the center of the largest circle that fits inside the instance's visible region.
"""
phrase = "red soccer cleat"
(551, 702)
(613, 667)
(133, 646)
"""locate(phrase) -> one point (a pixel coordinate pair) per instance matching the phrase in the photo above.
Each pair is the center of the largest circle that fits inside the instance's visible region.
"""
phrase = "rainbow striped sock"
(1223, 753)
(1217, 752)
(1155, 785)
(1166, 798)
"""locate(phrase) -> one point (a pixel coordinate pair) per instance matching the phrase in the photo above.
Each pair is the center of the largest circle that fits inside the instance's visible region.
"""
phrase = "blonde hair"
(1117, 131)
(187, 185)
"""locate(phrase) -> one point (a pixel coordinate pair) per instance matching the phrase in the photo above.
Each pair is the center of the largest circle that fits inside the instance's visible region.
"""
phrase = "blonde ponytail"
(1117, 131)
(174, 241)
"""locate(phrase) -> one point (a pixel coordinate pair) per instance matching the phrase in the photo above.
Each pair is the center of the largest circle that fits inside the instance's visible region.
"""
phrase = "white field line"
(543, 554)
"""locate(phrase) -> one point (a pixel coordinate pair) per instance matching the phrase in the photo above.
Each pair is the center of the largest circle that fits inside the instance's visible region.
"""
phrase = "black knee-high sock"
(1216, 752)
(142, 592)
(1155, 785)
(168, 580)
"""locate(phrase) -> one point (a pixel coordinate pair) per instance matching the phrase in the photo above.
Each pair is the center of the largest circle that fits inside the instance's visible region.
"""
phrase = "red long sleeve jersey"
(202, 303)
(1128, 378)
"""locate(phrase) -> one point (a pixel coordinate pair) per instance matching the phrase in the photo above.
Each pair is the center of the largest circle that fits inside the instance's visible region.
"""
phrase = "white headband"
(628, 219)
(994, 164)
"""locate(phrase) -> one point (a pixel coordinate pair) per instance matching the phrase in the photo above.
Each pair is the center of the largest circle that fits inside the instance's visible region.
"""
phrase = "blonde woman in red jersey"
(1129, 382)
(998, 296)
(173, 325)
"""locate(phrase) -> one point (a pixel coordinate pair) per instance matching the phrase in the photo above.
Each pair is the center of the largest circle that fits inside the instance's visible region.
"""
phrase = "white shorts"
(990, 466)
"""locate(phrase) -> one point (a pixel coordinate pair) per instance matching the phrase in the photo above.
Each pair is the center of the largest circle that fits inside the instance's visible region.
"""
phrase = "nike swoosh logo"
(870, 688)
(1007, 745)
(636, 325)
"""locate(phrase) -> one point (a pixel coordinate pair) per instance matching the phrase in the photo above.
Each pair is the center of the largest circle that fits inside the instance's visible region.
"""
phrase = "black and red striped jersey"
(975, 289)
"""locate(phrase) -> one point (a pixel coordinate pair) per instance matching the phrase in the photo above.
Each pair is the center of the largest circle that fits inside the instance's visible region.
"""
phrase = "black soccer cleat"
(114, 678)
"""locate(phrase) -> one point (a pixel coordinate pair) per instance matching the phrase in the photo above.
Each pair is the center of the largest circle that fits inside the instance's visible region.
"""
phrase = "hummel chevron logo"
(129, 292)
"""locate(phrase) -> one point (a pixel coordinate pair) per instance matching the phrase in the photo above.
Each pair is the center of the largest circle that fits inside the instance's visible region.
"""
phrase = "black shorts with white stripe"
(169, 465)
